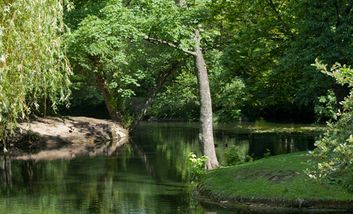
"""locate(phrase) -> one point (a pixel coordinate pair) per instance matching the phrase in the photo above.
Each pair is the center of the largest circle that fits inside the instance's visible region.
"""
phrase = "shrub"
(196, 166)
(333, 157)
(233, 157)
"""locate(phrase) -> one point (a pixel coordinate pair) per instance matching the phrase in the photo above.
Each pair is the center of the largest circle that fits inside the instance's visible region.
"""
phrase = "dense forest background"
(260, 56)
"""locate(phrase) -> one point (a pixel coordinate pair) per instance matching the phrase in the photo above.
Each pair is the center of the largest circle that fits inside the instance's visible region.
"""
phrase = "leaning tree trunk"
(108, 99)
(206, 129)
(160, 81)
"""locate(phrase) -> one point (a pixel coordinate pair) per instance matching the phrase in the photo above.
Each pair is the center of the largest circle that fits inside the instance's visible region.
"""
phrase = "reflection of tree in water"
(144, 158)
(29, 174)
(6, 171)
(146, 176)
(170, 147)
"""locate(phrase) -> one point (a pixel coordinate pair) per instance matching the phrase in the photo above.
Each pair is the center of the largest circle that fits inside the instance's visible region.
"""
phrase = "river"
(149, 175)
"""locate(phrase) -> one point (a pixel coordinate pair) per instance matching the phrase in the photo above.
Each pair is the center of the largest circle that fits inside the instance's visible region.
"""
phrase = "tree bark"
(108, 99)
(206, 129)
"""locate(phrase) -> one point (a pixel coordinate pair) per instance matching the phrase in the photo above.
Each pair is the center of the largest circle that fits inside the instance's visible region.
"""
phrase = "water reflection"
(147, 176)
(179, 141)
(5, 170)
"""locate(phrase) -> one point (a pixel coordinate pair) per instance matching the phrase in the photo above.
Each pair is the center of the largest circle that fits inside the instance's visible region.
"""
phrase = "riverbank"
(65, 138)
(277, 182)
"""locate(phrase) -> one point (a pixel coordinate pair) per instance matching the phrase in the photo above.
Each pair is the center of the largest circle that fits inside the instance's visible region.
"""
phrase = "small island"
(273, 183)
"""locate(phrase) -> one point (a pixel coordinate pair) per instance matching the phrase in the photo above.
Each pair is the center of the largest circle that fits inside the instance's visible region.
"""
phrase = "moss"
(278, 180)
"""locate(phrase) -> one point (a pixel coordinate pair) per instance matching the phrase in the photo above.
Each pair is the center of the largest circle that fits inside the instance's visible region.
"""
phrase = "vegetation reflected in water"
(147, 176)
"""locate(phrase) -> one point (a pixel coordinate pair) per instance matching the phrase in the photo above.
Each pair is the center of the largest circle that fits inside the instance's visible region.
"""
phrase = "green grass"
(278, 177)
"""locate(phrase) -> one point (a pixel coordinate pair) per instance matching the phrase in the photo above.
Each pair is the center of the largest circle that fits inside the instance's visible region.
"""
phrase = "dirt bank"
(65, 138)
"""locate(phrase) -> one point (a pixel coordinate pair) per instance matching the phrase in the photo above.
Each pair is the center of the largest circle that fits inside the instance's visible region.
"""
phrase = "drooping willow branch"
(32, 61)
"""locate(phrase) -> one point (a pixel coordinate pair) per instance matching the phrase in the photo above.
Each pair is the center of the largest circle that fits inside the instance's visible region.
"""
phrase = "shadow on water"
(149, 175)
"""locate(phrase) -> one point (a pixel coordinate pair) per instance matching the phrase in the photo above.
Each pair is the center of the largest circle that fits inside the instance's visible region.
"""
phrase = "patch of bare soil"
(270, 175)
(65, 138)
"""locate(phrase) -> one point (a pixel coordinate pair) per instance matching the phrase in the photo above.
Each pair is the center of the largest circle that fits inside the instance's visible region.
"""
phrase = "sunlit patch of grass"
(279, 177)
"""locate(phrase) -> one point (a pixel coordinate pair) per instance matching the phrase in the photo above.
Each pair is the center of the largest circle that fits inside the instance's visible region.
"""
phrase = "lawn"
(278, 180)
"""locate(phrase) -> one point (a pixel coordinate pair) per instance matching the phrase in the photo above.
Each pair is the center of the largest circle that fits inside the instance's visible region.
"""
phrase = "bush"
(334, 153)
(233, 157)
(326, 107)
(196, 166)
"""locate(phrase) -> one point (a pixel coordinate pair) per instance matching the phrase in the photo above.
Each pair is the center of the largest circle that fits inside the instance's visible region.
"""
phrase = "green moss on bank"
(278, 178)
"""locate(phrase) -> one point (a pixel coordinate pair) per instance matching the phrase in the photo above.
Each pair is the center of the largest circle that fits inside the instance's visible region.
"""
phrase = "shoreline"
(274, 205)
(53, 138)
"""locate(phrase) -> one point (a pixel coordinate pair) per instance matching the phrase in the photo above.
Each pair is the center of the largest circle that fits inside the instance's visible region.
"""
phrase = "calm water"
(147, 176)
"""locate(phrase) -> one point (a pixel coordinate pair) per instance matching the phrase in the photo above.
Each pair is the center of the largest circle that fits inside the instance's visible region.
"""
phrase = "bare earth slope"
(64, 138)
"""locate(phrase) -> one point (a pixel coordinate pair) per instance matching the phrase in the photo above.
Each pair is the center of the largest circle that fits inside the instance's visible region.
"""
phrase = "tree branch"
(170, 44)
(278, 15)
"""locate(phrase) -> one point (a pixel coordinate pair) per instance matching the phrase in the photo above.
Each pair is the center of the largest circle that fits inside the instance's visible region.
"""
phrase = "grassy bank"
(274, 181)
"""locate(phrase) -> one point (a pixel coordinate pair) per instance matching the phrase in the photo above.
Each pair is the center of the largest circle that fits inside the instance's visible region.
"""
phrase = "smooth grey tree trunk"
(206, 129)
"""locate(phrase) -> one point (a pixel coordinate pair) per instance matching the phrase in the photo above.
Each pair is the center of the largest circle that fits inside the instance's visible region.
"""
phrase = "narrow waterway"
(149, 175)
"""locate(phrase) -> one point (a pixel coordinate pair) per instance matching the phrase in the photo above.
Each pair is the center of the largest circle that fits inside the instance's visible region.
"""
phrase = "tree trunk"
(206, 129)
(160, 81)
(108, 99)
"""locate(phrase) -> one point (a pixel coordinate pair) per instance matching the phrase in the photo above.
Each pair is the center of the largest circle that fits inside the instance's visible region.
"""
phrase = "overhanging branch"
(170, 44)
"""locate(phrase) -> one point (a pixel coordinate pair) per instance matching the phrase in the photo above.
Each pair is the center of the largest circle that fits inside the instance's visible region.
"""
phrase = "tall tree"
(113, 45)
(182, 20)
(206, 114)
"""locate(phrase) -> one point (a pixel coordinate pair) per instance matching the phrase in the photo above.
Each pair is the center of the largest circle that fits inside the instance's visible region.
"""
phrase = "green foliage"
(326, 107)
(272, 44)
(259, 53)
(322, 30)
(334, 152)
(97, 49)
(232, 156)
(111, 44)
(196, 166)
(33, 67)
(228, 94)
(235, 156)
(178, 100)
(228, 100)
(80, 9)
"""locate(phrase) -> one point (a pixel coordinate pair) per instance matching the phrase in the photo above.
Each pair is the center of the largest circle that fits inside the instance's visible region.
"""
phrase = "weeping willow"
(33, 66)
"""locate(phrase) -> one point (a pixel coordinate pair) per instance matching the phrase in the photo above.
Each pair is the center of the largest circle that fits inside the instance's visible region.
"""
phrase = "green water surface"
(149, 175)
